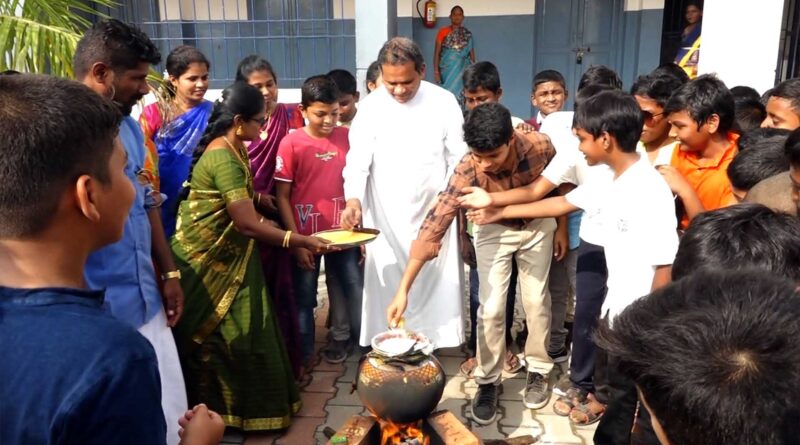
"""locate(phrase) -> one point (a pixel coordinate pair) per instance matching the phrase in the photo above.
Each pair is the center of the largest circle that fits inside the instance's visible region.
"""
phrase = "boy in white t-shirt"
(638, 225)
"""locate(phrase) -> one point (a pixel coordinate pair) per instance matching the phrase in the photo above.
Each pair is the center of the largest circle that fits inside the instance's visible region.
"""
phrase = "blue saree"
(454, 58)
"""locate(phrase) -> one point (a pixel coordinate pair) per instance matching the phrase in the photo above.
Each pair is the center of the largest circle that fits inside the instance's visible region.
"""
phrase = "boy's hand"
(560, 243)
(485, 216)
(396, 309)
(677, 183)
(351, 215)
(172, 294)
(201, 426)
(305, 259)
(474, 198)
(525, 128)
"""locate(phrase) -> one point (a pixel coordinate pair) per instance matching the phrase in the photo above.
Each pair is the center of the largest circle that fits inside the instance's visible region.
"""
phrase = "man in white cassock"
(404, 143)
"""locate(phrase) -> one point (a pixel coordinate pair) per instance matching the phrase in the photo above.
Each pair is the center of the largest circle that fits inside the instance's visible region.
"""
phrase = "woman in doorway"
(263, 152)
(231, 351)
(689, 51)
(453, 53)
(173, 126)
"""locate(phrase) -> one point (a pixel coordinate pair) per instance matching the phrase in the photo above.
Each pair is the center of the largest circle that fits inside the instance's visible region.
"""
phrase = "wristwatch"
(170, 275)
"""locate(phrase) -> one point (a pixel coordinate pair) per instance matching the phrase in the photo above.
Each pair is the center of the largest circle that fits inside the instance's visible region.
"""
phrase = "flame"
(397, 434)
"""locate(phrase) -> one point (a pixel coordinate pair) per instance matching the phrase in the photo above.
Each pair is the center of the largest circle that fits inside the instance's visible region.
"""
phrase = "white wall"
(639, 5)
(740, 41)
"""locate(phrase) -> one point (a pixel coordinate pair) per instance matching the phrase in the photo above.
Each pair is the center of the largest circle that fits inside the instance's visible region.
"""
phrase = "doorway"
(572, 35)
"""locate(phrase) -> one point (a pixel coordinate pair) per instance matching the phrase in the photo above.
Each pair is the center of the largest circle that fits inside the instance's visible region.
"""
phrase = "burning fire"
(409, 434)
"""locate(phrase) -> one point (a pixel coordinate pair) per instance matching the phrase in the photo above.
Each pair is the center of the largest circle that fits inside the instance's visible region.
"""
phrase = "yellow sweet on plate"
(346, 236)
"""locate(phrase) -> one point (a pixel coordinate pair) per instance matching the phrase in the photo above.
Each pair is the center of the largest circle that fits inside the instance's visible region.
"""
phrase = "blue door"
(572, 35)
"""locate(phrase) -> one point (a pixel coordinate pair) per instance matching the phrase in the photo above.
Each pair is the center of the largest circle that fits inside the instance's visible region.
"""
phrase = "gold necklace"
(265, 132)
(240, 155)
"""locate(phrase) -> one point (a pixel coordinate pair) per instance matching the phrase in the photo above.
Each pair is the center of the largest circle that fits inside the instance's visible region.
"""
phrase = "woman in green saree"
(232, 354)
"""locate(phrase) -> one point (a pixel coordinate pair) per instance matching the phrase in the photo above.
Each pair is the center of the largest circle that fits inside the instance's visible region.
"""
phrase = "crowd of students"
(650, 236)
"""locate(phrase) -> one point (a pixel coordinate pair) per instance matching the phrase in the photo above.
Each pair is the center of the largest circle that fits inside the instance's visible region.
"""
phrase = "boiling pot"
(401, 387)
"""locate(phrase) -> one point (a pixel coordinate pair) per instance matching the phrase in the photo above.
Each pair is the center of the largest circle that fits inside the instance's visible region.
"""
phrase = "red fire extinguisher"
(429, 18)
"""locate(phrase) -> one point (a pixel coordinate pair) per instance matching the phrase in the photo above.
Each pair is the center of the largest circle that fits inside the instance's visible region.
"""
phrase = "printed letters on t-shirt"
(304, 214)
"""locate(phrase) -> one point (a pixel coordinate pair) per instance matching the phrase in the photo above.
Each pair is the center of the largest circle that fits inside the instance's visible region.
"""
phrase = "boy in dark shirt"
(70, 373)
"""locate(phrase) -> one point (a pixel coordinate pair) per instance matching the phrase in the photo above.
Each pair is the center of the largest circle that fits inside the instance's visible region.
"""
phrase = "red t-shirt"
(314, 167)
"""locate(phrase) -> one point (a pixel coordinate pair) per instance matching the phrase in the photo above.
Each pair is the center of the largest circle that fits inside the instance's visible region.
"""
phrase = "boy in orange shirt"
(701, 113)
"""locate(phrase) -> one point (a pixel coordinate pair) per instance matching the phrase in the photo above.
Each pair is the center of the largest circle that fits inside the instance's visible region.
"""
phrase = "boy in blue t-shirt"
(70, 373)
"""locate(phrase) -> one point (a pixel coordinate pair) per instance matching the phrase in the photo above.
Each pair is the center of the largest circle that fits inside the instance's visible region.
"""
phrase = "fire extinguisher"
(429, 18)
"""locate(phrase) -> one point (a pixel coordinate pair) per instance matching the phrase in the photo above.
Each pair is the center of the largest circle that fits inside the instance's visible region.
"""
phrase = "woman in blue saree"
(174, 127)
(454, 52)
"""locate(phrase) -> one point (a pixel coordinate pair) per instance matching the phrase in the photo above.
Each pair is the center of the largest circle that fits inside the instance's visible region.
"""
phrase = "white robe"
(400, 158)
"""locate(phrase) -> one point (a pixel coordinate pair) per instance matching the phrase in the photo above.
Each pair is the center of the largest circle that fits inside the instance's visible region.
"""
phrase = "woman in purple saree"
(277, 262)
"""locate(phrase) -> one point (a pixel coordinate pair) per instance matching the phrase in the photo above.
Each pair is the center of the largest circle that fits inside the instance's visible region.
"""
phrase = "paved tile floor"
(328, 401)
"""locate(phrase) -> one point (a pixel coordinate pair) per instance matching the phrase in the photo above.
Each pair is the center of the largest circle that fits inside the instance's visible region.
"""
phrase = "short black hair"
(611, 111)
(52, 130)
(600, 75)
(742, 236)
(749, 115)
(116, 44)
(750, 167)
(319, 89)
(673, 70)
(702, 97)
(345, 81)
(710, 350)
(792, 148)
(453, 9)
(481, 75)
(745, 92)
(790, 90)
(373, 72)
(657, 87)
(253, 64)
(762, 138)
(179, 59)
(400, 50)
(487, 127)
(548, 76)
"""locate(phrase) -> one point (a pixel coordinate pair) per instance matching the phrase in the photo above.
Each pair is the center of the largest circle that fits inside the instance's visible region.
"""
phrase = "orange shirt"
(709, 178)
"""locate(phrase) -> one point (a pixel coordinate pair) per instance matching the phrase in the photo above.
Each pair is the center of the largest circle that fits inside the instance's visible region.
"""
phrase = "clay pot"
(400, 389)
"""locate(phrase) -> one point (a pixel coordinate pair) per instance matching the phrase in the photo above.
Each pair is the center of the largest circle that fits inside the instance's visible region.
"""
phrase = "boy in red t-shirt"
(701, 113)
(310, 192)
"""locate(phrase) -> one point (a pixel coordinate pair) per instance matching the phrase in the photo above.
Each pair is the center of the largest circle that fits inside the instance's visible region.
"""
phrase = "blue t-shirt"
(125, 269)
(72, 374)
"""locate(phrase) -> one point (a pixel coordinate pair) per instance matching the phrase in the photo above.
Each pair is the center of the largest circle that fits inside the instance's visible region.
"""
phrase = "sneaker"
(563, 385)
(536, 393)
(560, 356)
(484, 405)
(336, 351)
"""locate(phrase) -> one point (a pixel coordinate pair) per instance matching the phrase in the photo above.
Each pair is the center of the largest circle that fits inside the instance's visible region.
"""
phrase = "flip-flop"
(512, 364)
(583, 410)
(564, 405)
(467, 367)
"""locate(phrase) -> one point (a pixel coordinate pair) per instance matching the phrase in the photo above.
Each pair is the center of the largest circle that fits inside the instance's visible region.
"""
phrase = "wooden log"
(450, 430)
(522, 440)
(358, 430)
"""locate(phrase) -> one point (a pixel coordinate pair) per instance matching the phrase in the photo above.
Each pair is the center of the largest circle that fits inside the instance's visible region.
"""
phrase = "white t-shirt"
(664, 156)
(569, 165)
(639, 229)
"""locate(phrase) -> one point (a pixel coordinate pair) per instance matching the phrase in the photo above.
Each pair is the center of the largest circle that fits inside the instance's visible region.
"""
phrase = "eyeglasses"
(649, 117)
(259, 121)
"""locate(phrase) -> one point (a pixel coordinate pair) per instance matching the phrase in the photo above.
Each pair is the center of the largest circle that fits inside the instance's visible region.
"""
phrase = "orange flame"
(396, 434)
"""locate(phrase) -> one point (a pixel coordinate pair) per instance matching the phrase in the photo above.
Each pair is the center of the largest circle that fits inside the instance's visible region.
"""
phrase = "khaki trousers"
(532, 246)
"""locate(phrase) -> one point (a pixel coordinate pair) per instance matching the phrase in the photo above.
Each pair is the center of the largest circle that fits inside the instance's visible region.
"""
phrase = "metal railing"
(300, 38)
(789, 52)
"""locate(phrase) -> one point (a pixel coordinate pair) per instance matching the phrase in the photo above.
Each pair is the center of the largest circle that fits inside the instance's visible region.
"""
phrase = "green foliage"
(39, 36)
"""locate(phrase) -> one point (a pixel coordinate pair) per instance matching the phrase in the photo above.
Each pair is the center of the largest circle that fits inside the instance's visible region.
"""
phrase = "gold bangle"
(261, 220)
(286, 239)
(170, 275)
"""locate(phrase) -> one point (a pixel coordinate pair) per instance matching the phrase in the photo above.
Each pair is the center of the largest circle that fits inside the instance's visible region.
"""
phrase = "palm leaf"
(40, 36)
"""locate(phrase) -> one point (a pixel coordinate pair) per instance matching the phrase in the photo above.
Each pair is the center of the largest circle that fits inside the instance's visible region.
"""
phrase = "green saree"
(232, 354)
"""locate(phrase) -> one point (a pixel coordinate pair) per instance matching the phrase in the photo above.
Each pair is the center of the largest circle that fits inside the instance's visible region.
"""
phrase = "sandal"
(512, 364)
(468, 366)
(583, 415)
(573, 398)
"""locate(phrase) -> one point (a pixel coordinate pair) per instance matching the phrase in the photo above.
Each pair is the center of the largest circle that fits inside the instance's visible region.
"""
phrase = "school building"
(744, 42)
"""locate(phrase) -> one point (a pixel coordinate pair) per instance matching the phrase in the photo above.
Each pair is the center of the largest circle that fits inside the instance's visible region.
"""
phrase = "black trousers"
(590, 292)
